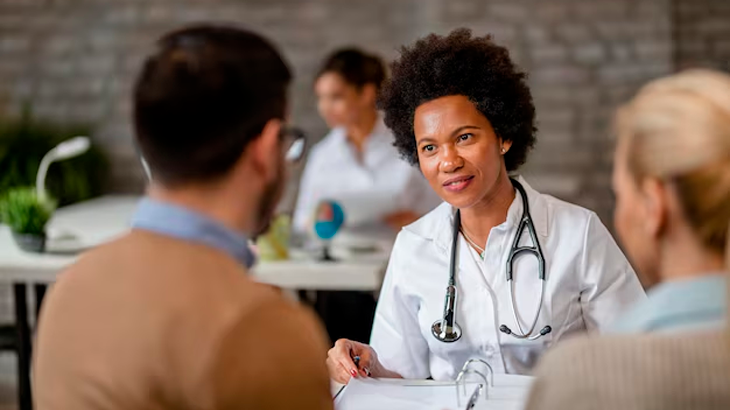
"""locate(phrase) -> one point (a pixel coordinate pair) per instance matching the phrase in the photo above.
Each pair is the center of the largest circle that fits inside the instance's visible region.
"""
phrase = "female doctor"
(461, 110)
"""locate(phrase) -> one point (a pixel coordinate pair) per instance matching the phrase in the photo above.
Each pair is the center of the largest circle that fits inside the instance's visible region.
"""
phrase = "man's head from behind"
(208, 112)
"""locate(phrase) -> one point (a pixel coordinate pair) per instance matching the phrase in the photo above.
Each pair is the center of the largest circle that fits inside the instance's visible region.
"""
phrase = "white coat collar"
(379, 134)
(437, 225)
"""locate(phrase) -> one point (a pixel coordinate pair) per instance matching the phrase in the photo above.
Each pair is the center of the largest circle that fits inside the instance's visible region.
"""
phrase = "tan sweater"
(644, 372)
(153, 322)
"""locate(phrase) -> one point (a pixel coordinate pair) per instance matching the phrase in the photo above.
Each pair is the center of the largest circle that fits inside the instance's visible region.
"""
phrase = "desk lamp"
(65, 150)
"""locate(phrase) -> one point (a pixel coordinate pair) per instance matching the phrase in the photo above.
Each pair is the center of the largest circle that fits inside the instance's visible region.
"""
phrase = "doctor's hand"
(342, 366)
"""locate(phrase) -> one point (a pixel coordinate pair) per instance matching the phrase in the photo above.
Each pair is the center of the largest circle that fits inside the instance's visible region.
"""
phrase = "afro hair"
(459, 64)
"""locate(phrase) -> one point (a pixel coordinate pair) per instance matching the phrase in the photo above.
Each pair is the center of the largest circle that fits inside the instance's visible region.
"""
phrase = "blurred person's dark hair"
(202, 97)
(356, 67)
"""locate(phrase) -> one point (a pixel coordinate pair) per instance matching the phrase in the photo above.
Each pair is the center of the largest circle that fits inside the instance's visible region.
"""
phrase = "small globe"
(328, 220)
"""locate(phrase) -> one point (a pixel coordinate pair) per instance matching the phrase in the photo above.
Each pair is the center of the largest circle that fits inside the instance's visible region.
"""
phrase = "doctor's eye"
(466, 137)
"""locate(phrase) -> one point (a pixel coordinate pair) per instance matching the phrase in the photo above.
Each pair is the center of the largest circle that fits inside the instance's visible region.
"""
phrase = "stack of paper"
(508, 393)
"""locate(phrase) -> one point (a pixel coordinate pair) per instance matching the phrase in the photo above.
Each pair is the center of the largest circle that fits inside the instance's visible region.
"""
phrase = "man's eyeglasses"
(295, 143)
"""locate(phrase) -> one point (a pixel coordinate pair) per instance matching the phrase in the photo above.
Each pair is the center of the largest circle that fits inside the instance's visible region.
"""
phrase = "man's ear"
(264, 150)
(655, 202)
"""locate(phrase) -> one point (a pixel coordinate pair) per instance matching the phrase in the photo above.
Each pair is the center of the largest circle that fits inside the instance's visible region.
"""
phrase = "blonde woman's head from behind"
(672, 176)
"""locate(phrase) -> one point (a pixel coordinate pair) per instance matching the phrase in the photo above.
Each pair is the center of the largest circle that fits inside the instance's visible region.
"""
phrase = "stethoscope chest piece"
(447, 334)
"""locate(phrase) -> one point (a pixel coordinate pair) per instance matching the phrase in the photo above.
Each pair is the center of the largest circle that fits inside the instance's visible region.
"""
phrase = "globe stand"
(328, 219)
(326, 256)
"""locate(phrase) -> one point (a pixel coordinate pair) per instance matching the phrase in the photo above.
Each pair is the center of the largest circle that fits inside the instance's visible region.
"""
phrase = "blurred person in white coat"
(356, 164)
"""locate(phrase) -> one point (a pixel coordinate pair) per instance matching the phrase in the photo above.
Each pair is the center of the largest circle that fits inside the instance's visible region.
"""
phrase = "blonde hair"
(678, 130)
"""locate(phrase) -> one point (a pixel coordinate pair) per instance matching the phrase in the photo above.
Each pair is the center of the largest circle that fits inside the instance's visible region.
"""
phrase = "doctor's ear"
(505, 146)
(655, 201)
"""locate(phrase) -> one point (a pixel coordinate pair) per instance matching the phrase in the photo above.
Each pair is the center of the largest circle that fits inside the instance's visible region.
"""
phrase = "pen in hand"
(356, 360)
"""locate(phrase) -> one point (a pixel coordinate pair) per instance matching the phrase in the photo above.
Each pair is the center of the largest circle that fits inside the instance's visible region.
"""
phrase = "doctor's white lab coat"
(377, 182)
(588, 284)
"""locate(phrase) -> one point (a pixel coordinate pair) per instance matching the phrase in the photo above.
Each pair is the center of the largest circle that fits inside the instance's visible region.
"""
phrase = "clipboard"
(474, 388)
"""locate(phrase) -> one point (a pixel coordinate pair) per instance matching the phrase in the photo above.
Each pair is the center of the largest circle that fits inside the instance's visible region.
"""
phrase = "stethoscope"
(446, 329)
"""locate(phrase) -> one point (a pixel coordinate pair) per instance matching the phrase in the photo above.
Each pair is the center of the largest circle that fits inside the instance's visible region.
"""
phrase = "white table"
(98, 221)
(94, 222)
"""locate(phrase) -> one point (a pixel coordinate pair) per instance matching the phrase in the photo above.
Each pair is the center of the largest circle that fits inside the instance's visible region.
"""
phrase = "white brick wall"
(703, 33)
(75, 60)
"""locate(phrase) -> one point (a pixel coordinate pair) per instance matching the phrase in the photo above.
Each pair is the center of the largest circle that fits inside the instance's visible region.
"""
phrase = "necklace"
(473, 244)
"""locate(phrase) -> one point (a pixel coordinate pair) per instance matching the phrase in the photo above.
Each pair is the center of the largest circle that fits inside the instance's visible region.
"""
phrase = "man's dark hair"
(202, 97)
(459, 64)
(356, 67)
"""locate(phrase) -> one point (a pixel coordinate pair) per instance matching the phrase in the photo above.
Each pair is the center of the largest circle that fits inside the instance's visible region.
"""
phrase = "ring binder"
(481, 389)
(469, 362)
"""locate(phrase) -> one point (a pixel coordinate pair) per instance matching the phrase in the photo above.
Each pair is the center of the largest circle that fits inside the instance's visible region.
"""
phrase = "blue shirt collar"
(183, 223)
(696, 303)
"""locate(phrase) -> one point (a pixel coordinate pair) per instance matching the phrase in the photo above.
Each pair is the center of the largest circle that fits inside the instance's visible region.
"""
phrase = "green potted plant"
(27, 215)
(25, 139)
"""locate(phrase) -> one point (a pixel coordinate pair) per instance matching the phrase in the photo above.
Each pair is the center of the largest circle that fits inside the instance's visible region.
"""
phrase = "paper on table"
(81, 226)
(363, 209)
(93, 222)
(386, 395)
(368, 394)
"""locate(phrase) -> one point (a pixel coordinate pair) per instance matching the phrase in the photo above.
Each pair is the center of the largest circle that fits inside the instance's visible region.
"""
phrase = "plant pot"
(30, 242)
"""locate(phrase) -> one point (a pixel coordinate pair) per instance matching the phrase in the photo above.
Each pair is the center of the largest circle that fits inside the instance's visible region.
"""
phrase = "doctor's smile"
(458, 184)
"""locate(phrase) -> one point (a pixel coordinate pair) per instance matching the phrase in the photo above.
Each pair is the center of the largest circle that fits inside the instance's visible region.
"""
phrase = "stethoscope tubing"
(440, 327)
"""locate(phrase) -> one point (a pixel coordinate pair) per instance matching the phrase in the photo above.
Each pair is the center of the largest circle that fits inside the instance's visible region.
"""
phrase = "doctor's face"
(458, 150)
